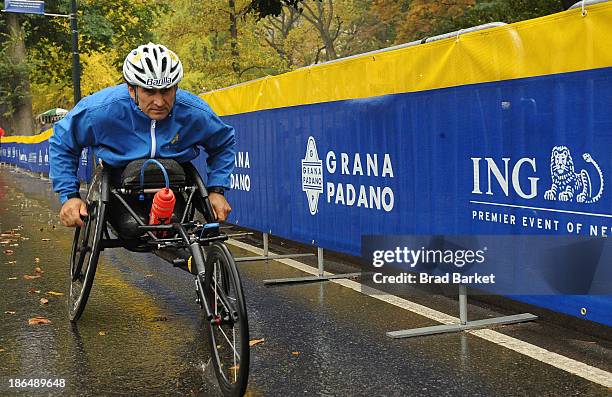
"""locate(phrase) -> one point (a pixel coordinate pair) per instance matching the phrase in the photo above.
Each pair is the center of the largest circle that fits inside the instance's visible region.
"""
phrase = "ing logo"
(567, 184)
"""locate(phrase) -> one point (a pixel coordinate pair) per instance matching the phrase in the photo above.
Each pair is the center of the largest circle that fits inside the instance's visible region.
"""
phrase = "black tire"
(86, 250)
(229, 326)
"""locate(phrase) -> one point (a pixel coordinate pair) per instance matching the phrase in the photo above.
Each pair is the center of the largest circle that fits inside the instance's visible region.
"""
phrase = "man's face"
(155, 103)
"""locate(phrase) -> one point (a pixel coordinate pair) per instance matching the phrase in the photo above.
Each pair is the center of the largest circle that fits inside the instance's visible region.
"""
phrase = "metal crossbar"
(464, 324)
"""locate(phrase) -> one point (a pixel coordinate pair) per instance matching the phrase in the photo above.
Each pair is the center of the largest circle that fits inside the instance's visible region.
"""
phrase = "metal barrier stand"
(464, 324)
(310, 279)
(266, 256)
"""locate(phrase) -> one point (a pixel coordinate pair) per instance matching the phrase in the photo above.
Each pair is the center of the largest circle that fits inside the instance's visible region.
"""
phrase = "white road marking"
(559, 361)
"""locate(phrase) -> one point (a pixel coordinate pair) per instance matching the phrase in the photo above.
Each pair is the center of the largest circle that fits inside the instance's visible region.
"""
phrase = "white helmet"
(152, 66)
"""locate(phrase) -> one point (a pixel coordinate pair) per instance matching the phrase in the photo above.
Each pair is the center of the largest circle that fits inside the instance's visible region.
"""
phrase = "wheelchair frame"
(215, 272)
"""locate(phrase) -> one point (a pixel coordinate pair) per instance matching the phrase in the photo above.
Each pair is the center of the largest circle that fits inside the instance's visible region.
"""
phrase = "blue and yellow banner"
(32, 153)
(497, 132)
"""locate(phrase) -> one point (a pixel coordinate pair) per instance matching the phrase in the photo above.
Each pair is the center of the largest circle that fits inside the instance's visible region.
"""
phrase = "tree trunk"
(322, 20)
(326, 35)
(234, 37)
(329, 45)
(22, 121)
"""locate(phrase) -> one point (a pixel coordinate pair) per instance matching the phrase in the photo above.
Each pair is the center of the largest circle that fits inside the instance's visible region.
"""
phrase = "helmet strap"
(135, 87)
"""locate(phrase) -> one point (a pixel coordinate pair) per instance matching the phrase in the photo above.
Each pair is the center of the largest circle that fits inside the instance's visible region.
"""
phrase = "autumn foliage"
(225, 42)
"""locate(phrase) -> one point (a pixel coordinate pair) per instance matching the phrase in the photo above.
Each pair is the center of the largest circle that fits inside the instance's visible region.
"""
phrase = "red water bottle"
(163, 207)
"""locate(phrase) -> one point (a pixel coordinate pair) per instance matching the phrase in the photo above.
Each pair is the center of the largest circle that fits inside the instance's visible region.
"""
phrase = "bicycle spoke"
(235, 355)
(230, 343)
(215, 288)
(220, 297)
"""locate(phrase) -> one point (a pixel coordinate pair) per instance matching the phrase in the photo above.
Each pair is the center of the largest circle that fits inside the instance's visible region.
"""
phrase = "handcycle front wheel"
(86, 251)
(228, 329)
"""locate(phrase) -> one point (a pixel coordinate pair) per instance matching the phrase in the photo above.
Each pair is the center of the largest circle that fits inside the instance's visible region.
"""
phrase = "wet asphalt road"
(142, 333)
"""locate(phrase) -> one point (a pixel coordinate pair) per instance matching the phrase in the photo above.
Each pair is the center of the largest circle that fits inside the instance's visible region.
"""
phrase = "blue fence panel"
(406, 163)
(35, 157)
(522, 157)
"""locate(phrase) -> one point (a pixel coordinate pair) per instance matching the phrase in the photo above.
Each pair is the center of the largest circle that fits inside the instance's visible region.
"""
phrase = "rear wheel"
(86, 250)
(229, 329)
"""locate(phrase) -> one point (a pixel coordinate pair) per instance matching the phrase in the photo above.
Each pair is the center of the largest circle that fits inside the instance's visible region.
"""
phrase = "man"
(148, 117)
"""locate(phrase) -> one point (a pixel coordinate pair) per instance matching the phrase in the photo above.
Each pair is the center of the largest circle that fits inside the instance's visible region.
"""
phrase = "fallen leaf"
(9, 312)
(28, 277)
(39, 321)
(12, 278)
(102, 333)
(53, 293)
(25, 238)
(5, 242)
(254, 342)
(1, 350)
(14, 245)
(9, 252)
(33, 291)
(36, 260)
(46, 239)
(11, 262)
(44, 301)
(295, 353)
(39, 270)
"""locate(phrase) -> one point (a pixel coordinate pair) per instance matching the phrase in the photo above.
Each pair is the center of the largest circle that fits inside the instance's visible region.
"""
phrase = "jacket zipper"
(153, 140)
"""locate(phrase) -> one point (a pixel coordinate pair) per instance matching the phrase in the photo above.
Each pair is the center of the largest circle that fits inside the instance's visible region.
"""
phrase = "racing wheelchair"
(117, 199)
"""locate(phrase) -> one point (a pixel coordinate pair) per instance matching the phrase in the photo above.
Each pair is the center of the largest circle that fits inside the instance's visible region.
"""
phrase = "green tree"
(321, 31)
(218, 43)
(264, 8)
(46, 43)
(16, 101)
(275, 31)
(13, 77)
(98, 72)
(424, 18)
(485, 11)
(387, 16)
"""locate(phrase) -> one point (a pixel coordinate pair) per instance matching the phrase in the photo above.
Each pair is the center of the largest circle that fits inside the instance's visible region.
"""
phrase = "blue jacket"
(118, 131)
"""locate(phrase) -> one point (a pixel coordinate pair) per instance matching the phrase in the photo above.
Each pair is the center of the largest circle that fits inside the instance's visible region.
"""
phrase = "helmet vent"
(151, 68)
(139, 79)
(164, 63)
(138, 69)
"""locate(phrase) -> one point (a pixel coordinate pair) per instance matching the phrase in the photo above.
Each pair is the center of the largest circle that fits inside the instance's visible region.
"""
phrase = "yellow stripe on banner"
(558, 43)
(43, 136)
